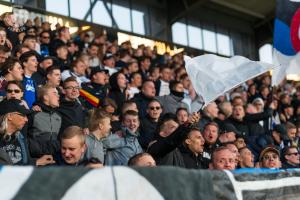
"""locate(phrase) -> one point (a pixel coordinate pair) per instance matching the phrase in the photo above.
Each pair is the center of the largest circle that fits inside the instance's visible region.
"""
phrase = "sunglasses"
(11, 91)
(46, 37)
(154, 108)
(295, 154)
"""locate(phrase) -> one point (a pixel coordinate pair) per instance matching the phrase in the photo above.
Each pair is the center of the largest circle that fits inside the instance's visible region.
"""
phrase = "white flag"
(287, 65)
(213, 75)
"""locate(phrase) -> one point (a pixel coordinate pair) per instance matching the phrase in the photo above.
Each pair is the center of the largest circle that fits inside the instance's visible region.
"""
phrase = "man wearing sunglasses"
(149, 123)
(291, 158)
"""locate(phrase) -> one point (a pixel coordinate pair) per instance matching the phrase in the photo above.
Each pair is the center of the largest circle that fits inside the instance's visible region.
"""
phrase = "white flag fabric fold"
(287, 65)
(212, 75)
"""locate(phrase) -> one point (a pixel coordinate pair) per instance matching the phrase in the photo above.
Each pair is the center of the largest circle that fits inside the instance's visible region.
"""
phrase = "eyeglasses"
(72, 88)
(154, 108)
(268, 157)
(45, 37)
(11, 91)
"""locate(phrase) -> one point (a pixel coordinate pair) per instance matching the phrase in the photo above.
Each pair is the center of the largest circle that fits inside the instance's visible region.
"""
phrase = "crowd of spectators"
(85, 100)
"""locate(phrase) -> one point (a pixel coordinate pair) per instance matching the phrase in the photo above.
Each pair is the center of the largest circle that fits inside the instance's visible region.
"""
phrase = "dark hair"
(173, 84)
(287, 149)
(62, 29)
(50, 69)
(70, 79)
(134, 74)
(4, 49)
(123, 52)
(25, 56)
(181, 108)
(143, 58)
(8, 65)
(18, 83)
(28, 37)
(154, 100)
(163, 67)
(93, 44)
(45, 32)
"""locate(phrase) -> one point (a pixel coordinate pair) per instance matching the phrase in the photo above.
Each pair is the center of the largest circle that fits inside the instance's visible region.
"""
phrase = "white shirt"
(164, 88)
(111, 70)
(80, 79)
(132, 91)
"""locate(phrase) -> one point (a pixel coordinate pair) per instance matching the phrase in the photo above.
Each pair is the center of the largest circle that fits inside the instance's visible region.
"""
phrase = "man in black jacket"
(248, 124)
(71, 110)
(149, 123)
(291, 158)
(192, 149)
(179, 145)
(143, 98)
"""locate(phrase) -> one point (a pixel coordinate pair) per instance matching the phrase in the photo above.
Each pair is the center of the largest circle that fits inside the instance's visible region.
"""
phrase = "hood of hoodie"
(45, 108)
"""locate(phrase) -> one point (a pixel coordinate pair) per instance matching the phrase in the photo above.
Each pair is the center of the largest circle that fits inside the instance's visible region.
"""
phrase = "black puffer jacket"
(191, 161)
(72, 113)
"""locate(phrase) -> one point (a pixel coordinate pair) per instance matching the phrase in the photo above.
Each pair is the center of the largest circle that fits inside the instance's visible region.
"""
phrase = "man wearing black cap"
(12, 141)
(92, 93)
(109, 63)
(228, 133)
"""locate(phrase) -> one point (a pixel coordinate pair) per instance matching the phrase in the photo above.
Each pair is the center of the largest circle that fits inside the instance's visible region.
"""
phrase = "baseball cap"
(227, 127)
(268, 149)
(13, 105)
(108, 56)
(95, 70)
